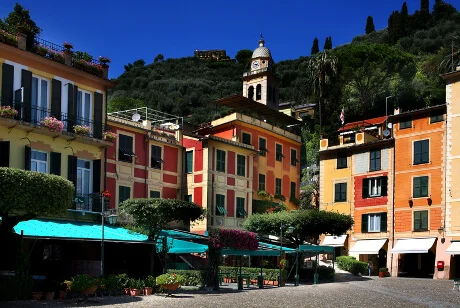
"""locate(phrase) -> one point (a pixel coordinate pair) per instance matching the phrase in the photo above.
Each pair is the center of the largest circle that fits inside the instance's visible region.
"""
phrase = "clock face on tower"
(255, 64)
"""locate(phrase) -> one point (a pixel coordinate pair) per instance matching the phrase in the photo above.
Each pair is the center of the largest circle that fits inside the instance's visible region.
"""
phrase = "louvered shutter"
(71, 107)
(365, 191)
(384, 189)
(7, 85)
(383, 222)
(364, 223)
(72, 170)
(27, 157)
(56, 87)
(98, 111)
(55, 163)
(97, 165)
(4, 153)
(26, 83)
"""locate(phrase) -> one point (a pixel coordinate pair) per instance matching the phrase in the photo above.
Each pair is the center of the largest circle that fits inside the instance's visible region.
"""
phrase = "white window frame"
(374, 222)
(38, 115)
(81, 169)
(81, 113)
(377, 184)
(38, 161)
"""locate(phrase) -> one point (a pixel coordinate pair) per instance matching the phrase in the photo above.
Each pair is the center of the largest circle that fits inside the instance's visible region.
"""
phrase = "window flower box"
(53, 124)
(8, 112)
(81, 129)
(109, 136)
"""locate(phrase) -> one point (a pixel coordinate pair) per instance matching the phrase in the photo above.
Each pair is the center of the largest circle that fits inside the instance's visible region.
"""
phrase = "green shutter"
(98, 112)
(337, 192)
(56, 87)
(425, 149)
(26, 83)
(364, 223)
(55, 163)
(384, 183)
(71, 106)
(383, 222)
(4, 153)
(72, 170)
(416, 187)
(27, 157)
(97, 170)
(424, 220)
(7, 85)
(365, 191)
(424, 186)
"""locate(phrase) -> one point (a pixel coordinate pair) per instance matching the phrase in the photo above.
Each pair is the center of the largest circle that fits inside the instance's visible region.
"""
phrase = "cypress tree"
(370, 25)
(404, 20)
(394, 27)
(315, 47)
(328, 43)
(424, 7)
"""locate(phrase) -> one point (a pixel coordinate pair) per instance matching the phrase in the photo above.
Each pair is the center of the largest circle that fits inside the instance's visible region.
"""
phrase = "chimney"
(22, 40)
(396, 111)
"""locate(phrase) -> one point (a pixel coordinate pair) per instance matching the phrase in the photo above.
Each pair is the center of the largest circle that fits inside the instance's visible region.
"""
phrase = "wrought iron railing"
(90, 203)
(48, 45)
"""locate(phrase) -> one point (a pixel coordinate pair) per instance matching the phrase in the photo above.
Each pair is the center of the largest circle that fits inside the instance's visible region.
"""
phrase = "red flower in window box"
(105, 194)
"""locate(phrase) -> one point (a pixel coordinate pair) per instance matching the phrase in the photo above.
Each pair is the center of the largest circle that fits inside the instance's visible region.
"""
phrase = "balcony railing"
(48, 45)
(90, 203)
(36, 114)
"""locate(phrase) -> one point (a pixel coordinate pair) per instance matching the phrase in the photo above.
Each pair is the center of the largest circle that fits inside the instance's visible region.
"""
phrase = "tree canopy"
(155, 214)
(370, 25)
(315, 46)
(308, 224)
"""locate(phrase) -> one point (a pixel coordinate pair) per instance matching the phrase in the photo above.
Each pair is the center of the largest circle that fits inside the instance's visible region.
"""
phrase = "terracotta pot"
(37, 295)
(148, 291)
(135, 292)
(127, 291)
(62, 295)
(49, 296)
(382, 274)
(90, 290)
(170, 287)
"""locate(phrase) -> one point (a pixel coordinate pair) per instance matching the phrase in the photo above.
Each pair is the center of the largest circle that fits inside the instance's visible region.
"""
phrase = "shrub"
(82, 282)
(150, 281)
(350, 264)
(114, 284)
(191, 277)
(169, 279)
(253, 272)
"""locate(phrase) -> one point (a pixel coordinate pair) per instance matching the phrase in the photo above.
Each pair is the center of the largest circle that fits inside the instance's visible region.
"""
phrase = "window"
(39, 161)
(375, 160)
(261, 182)
(341, 160)
(155, 159)
(405, 122)
(246, 138)
(188, 198)
(220, 205)
(375, 187)
(258, 92)
(293, 194)
(220, 163)
(124, 193)
(84, 108)
(340, 192)
(278, 186)
(375, 222)
(125, 148)
(279, 152)
(84, 177)
(189, 162)
(39, 98)
(251, 92)
(240, 165)
(263, 147)
(436, 116)
(240, 211)
(421, 152)
(420, 187)
(420, 220)
(154, 194)
(294, 160)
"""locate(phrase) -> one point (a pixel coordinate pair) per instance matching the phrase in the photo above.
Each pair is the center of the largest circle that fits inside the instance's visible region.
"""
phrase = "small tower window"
(258, 92)
(251, 92)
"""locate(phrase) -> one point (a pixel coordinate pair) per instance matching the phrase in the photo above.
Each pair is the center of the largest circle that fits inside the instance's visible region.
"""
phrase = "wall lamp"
(411, 202)
(441, 231)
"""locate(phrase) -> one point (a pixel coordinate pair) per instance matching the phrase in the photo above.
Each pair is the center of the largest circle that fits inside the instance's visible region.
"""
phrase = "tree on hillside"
(315, 47)
(308, 224)
(328, 43)
(159, 58)
(452, 59)
(368, 69)
(244, 56)
(394, 27)
(424, 10)
(19, 20)
(321, 69)
(120, 103)
(370, 25)
(442, 10)
(404, 19)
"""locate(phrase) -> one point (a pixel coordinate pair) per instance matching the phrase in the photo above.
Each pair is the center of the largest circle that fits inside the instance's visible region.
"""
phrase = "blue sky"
(129, 30)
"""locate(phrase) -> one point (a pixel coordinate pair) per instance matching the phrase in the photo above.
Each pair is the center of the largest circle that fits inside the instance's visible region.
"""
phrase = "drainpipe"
(393, 206)
(146, 175)
(105, 150)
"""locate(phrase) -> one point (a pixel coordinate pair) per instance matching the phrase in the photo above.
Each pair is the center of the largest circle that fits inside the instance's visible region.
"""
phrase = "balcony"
(30, 118)
(89, 203)
(262, 70)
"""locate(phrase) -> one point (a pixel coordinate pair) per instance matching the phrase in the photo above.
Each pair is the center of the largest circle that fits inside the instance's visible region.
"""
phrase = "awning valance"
(312, 249)
(413, 245)
(454, 248)
(334, 241)
(367, 247)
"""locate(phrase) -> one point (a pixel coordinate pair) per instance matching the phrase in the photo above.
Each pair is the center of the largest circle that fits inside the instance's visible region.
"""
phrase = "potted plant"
(67, 45)
(104, 60)
(37, 295)
(84, 284)
(170, 282)
(109, 136)
(135, 287)
(81, 129)
(42, 51)
(383, 272)
(58, 57)
(8, 112)
(8, 38)
(53, 124)
(149, 284)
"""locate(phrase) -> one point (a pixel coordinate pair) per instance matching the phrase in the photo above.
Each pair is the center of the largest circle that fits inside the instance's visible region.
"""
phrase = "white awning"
(367, 247)
(413, 245)
(454, 248)
(335, 241)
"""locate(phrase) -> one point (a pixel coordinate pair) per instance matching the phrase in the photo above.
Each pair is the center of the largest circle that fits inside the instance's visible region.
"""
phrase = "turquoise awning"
(276, 247)
(178, 234)
(176, 246)
(264, 249)
(316, 249)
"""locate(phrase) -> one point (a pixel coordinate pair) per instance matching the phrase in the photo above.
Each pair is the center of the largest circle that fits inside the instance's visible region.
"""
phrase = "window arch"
(258, 92)
(251, 92)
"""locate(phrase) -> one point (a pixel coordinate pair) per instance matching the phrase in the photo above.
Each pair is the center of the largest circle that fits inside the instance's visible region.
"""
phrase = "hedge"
(350, 264)
(254, 272)
(192, 277)
(324, 272)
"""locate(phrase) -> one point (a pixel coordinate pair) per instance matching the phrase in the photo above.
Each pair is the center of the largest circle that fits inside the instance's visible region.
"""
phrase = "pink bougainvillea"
(233, 239)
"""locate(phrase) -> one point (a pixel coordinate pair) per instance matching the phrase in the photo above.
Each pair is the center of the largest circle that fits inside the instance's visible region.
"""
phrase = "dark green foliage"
(395, 31)
(328, 43)
(262, 206)
(254, 272)
(350, 264)
(114, 284)
(83, 55)
(307, 224)
(159, 58)
(19, 21)
(325, 273)
(244, 56)
(442, 10)
(315, 47)
(370, 25)
(191, 277)
(404, 19)
(15, 288)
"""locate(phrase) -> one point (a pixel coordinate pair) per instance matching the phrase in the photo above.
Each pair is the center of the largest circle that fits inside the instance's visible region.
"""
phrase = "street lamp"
(290, 229)
(112, 218)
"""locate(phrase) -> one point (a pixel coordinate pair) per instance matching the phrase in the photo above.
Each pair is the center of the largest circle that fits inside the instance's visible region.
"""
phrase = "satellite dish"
(390, 125)
(386, 133)
(136, 117)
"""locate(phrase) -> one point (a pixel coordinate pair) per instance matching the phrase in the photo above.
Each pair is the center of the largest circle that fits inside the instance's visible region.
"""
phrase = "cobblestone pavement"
(388, 292)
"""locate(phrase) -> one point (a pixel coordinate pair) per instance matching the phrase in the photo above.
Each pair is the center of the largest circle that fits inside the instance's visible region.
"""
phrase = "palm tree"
(321, 69)
(452, 60)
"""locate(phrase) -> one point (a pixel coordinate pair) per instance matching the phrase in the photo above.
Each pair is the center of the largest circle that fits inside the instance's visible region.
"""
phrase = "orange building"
(419, 202)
